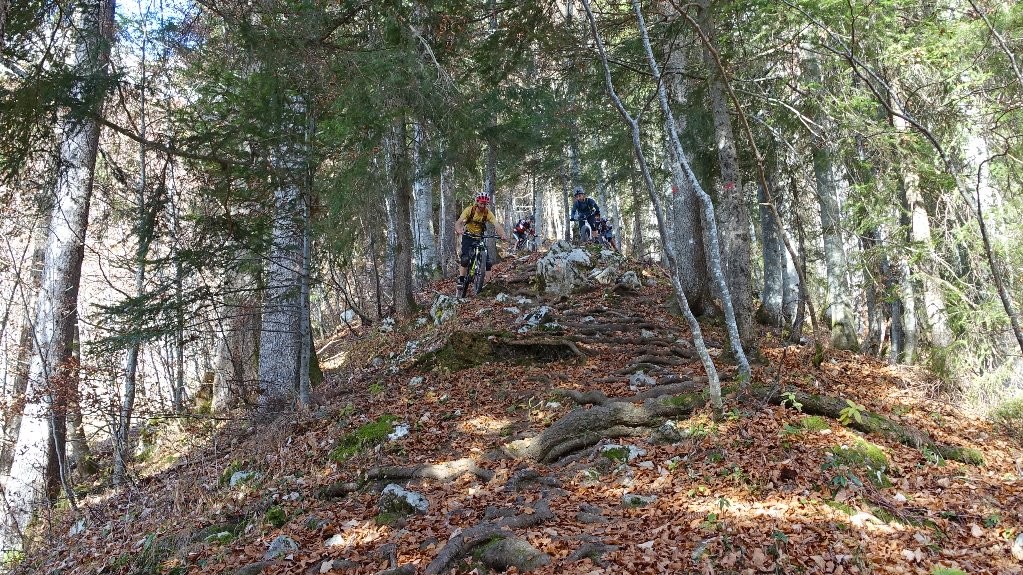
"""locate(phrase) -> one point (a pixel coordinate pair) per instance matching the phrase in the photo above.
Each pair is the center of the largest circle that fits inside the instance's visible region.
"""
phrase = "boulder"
(563, 269)
(443, 308)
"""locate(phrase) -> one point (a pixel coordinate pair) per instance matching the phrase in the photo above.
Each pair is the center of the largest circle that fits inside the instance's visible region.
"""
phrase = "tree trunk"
(427, 267)
(281, 344)
(39, 464)
(828, 177)
(714, 383)
(733, 216)
(404, 301)
(448, 213)
(771, 310)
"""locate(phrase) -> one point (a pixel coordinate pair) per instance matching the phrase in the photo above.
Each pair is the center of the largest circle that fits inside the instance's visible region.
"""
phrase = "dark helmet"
(531, 218)
(579, 191)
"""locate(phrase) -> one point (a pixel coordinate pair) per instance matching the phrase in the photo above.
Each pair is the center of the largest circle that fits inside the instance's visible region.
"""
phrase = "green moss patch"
(814, 423)
(370, 434)
(865, 456)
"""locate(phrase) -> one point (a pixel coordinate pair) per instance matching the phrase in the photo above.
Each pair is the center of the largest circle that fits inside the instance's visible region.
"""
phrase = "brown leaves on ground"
(756, 492)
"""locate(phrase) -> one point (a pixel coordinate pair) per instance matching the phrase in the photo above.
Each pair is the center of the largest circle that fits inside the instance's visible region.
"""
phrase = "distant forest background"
(196, 195)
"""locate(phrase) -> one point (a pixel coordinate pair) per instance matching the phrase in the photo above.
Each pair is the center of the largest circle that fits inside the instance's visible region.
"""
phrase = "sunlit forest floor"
(765, 488)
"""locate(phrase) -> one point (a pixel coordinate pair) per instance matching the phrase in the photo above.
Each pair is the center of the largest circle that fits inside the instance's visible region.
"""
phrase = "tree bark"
(404, 302)
(281, 343)
(426, 258)
(39, 465)
(733, 216)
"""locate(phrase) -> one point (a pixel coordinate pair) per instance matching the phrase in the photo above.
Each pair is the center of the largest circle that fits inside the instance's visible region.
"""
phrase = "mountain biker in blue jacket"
(584, 210)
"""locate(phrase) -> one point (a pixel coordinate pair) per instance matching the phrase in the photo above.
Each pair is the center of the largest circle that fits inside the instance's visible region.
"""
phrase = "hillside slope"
(520, 461)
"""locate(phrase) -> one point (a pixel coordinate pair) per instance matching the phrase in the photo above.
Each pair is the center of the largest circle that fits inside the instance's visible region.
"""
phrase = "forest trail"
(768, 488)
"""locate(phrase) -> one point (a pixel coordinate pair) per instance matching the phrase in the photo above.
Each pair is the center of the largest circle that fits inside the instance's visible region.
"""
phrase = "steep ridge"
(581, 445)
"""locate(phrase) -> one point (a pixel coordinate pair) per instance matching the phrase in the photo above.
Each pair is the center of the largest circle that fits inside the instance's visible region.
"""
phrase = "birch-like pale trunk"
(447, 217)
(426, 258)
(714, 253)
(733, 220)
(714, 382)
(36, 475)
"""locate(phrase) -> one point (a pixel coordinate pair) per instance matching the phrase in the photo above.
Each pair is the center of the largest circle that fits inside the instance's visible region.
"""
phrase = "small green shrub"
(1009, 417)
(276, 516)
(370, 434)
(947, 571)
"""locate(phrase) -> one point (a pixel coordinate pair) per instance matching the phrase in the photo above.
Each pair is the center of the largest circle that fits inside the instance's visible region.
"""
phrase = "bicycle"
(605, 237)
(585, 231)
(526, 242)
(476, 274)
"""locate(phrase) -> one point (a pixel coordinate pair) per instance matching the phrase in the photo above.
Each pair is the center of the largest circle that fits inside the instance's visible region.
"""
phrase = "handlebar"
(483, 236)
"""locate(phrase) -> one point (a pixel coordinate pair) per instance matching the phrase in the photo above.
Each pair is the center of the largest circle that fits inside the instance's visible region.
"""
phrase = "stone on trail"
(281, 546)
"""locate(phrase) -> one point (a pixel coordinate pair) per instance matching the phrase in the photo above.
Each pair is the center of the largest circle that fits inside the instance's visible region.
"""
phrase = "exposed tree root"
(527, 476)
(447, 471)
(619, 417)
(464, 542)
(598, 398)
(592, 550)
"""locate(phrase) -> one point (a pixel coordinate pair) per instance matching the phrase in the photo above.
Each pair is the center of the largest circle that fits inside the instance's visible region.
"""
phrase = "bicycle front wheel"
(481, 270)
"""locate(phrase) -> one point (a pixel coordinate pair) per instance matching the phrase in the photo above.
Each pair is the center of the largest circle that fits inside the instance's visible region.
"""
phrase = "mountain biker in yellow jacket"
(473, 222)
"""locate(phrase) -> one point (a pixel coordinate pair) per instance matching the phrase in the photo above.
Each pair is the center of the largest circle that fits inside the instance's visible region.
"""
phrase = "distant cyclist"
(604, 229)
(584, 210)
(471, 225)
(524, 230)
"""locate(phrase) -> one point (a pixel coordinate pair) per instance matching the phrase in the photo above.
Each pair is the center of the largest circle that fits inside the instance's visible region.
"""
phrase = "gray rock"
(501, 297)
(563, 269)
(281, 546)
(640, 379)
(443, 309)
(336, 540)
(584, 517)
(513, 310)
(1017, 547)
(417, 380)
(513, 552)
(396, 499)
(239, 477)
(536, 318)
(630, 280)
(386, 325)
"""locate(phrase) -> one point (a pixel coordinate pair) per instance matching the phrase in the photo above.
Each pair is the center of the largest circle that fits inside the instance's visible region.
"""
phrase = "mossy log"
(868, 422)
(470, 538)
